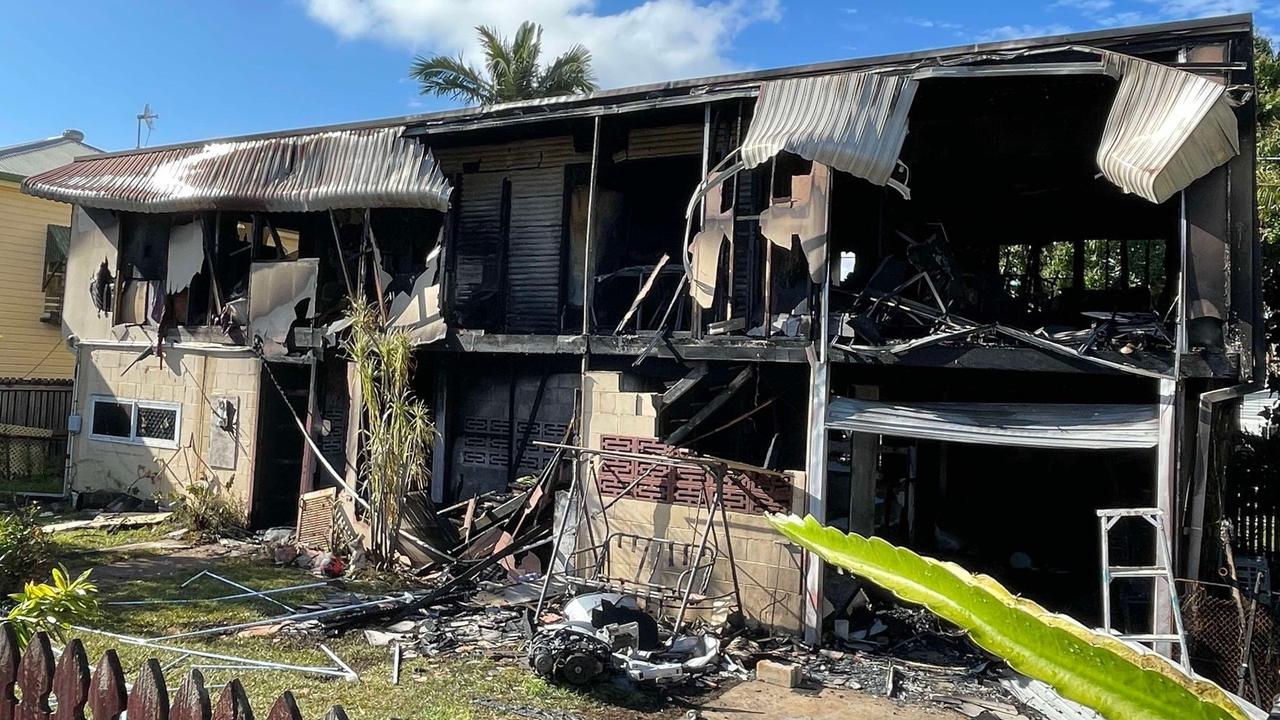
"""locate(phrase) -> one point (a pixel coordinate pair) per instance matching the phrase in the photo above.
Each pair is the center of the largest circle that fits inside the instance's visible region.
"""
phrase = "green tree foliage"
(24, 549)
(1267, 79)
(512, 70)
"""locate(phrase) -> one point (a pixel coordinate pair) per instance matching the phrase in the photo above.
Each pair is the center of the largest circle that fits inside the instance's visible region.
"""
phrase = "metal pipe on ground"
(297, 617)
(249, 663)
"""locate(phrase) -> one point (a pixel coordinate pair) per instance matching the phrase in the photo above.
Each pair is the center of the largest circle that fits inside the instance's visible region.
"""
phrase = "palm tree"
(512, 67)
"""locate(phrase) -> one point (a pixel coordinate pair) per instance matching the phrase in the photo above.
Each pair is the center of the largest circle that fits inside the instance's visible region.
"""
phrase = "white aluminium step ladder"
(1161, 570)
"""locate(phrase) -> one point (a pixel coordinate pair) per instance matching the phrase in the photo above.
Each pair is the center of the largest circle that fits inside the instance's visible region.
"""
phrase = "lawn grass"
(101, 540)
(430, 688)
(50, 484)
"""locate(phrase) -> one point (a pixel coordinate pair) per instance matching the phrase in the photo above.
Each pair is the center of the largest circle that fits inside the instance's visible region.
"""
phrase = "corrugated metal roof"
(1044, 425)
(1167, 127)
(854, 121)
(41, 155)
(375, 167)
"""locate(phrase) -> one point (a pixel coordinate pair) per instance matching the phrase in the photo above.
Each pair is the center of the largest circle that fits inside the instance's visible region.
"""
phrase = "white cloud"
(1202, 8)
(1018, 32)
(1104, 13)
(1085, 6)
(655, 40)
(928, 23)
(1121, 19)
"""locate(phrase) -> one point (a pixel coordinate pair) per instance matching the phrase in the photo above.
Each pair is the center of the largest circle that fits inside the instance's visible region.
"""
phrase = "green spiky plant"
(1093, 669)
(397, 431)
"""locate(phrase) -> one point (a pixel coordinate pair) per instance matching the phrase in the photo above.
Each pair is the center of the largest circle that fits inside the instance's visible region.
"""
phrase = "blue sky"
(231, 67)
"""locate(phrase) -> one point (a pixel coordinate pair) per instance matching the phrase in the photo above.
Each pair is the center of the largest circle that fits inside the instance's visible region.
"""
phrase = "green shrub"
(53, 607)
(25, 550)
(207, 509)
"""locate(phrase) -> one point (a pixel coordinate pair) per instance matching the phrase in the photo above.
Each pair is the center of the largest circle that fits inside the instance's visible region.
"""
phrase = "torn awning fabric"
(1042, 425)
(1167, 127)
(854, 121)
(342, 169)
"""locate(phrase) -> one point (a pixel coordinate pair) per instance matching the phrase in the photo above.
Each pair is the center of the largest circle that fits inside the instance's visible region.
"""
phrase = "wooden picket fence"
(65, 689)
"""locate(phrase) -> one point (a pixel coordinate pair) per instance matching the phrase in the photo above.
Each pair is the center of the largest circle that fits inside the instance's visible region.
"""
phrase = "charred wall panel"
(666, 141)
(1207, 259)
(478, 252)
(510, 249)
(534, 250)
(496, 412)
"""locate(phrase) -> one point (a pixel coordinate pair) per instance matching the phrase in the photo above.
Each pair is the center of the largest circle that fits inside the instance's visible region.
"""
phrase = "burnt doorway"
(277, 468)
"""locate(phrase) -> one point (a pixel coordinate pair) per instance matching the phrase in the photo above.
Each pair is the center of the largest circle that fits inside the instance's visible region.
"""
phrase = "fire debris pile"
(887, 319)
(896, 652)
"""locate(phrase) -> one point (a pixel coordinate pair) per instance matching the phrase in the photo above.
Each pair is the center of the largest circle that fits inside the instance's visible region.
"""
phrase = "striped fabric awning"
(1167, 127)
(1043, 425)
(854, 121)
(367, 168)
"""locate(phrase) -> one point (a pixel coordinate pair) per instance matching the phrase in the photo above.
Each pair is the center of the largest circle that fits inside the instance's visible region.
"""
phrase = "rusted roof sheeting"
(853, 121)
(300, 173)
(1167, 127)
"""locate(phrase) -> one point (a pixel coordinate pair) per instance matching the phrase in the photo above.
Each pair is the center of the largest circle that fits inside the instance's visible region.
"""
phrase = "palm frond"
(526, 49)
(451, 77)
(568, 74)
(497, 60)
(513, 68)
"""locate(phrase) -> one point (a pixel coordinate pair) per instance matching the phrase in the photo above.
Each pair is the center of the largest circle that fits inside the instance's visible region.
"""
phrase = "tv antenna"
(149, 117)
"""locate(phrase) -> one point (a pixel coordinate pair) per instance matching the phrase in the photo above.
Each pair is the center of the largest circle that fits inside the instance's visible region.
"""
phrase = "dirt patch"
(163, 561)
(760, 701)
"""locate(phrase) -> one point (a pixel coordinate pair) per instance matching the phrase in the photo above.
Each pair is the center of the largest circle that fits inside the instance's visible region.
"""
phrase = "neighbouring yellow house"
(33, 243)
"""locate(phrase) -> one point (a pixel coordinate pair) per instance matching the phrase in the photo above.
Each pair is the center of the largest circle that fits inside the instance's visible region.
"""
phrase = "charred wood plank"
(683, 432)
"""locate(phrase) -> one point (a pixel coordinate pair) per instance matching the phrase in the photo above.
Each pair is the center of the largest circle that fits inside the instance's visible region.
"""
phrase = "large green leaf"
(1093, 669)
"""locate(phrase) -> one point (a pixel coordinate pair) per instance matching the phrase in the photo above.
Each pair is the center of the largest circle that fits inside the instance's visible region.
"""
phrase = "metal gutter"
(591, 111)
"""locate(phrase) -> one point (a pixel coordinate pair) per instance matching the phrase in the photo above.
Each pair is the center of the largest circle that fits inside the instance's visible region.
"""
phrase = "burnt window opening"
(231, 253)
(274, 243)
(649, 166)
(747, 419)
(765, 275)
(53, 285)
(144, 243)
(480, 246)
(1123, 275)
(640, 207)
(405, 238)
(1009, 222)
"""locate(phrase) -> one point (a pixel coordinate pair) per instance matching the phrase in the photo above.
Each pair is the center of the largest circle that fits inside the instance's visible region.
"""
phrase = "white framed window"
(136, 422)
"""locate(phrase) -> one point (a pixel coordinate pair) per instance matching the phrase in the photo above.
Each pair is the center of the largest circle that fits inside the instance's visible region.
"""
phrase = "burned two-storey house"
(962, 299)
